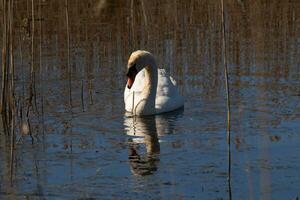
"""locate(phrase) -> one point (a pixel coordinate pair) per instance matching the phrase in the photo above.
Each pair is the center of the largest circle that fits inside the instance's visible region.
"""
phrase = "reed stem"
(4, 69)
(33, 86)
(82, 100)
(11, 91)
(227, 97)
(32, 59)
(68, 54)
(132, 39)
(41, 69)
(7, 98)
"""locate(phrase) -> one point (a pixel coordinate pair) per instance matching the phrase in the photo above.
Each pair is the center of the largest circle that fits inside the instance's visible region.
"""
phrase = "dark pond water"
(92, 150)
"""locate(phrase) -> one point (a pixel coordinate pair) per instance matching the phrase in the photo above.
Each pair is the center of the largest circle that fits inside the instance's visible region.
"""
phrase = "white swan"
(149, 90)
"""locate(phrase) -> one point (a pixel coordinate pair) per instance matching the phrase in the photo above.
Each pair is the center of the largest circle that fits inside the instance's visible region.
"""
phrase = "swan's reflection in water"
(145, 132)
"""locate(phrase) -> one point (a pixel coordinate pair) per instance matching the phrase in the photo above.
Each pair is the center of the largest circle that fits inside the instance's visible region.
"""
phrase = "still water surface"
(92, 150)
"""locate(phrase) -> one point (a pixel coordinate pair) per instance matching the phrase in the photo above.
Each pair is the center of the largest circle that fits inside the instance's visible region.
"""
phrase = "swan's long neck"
(150, 83)
(146, 106)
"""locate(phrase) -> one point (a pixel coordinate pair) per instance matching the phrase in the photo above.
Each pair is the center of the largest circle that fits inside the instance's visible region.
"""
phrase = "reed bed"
(8, 96)
(8, 102)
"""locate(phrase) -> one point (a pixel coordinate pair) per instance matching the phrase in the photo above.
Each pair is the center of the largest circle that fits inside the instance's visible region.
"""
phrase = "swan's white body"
(152, 91)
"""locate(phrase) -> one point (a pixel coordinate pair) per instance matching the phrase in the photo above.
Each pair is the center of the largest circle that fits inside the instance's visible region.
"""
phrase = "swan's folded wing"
(166, 85)
(166, 104)
(167, 97)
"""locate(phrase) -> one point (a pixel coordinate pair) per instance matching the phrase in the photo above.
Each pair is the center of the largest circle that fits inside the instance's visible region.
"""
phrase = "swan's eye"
(132, 71)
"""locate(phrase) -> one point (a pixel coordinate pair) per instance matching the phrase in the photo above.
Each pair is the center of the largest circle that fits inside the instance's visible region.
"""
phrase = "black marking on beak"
(131, 71)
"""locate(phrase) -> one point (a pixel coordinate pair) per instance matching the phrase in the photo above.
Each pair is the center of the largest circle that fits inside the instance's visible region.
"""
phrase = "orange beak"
(130, 81)
(132, 72)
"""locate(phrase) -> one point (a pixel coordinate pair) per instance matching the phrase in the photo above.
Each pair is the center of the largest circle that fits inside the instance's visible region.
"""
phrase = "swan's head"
(136, 62)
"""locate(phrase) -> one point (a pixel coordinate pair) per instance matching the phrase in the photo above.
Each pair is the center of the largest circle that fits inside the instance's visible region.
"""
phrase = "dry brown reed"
(91, 102)
(8, 102)
(33, 69)
(11, 96)
(68, 54)
(82, 100)
(8, 98)
(32, 90)
(41, 69)
(4, 69)
(227, 97)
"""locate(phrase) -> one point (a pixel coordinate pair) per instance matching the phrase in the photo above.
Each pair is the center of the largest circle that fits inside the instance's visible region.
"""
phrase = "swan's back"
(167, 94)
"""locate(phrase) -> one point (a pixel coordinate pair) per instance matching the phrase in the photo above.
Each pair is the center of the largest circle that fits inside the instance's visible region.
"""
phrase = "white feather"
(167, 94)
